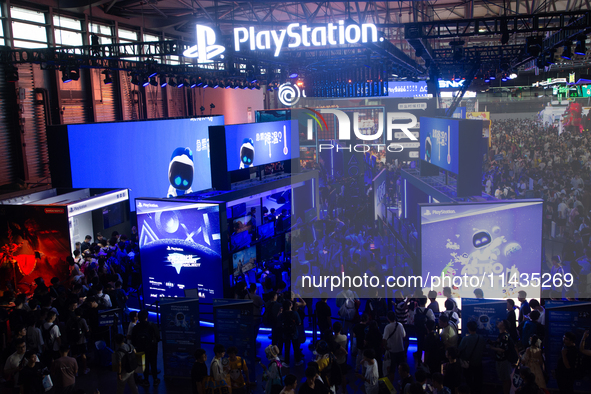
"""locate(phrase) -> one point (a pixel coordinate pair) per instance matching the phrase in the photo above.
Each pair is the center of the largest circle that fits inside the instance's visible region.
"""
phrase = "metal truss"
(536, 23)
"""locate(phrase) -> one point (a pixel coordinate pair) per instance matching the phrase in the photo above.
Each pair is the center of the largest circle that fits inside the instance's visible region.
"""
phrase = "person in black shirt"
(31, 376)
(511, 318)
(359, 335)
(313, 385)
(566, 364)
(199, 371)
(405, 376)
(323, 314)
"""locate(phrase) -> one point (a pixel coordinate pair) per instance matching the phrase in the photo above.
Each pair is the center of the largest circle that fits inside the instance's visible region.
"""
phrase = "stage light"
(216, 85)
(581, 48)
(566, 51)
(11, 73)
(152, 74)
(172, 82)
(504, 79)
(301, 83)
(487, 80)
(108, 80)
(492, 77)
(145, 81)
(292, 76)
(135, 79)
(66, 76)
(199, 82)
(153, 81)
(206, 84)
(193, 83)
(163, 82)
(253, 81)
(236, 85)
(182, 82)
(245, 86)
(512, 76)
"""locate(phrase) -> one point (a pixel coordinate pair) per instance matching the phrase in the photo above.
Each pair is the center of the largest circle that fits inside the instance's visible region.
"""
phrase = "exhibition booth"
(41, 229)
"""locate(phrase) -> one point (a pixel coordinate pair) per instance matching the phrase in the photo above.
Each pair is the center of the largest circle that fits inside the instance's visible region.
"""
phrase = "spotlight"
(212, 106)
(292, 76)
(66, 76)
(566, 51)
(135, 79)
(199, 82)
(74, 74)
(11, 73)
(163, 82)
(244, 85)
(181, 83)
(221, 84)
(172, 82)
(505, 30)
(152, 74)
(487, 80)
(581, 48)
(492, 77)
(257, 86)
(504, 79)
(513, 76)
(236, 85)
(206, 84)
(108, 80)
(193, 83)
(216, 85)
(153, 81)
(145, 81)
(253, 81)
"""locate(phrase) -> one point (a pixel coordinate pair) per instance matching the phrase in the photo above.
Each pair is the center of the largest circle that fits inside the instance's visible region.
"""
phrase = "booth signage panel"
(181, 248)
(97, 202)
(257, 144)
(439, 143)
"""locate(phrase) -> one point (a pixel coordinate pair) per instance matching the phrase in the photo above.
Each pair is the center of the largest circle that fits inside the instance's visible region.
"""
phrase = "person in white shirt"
(393, 339)
(371, 375)
(15, 362)
(132, 323)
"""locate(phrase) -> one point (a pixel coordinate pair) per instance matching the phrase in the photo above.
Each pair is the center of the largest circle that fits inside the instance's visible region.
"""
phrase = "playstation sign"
(294, 36)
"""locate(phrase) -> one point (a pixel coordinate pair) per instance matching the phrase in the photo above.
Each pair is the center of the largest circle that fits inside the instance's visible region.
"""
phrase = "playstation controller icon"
(428, 148)
(247, 153)
(180, 172)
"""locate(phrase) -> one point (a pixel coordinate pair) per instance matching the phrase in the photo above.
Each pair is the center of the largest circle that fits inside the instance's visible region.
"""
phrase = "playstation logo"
(427, 212)
(205, 50)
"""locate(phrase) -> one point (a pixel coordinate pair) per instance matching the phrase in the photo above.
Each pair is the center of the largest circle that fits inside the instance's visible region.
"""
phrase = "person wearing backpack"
(289, 322)
(51, 336)
(393, 340)
(449, 311)
(145, 338)
(64, 371)
(420, 316)
(77, 329)
(122, 364)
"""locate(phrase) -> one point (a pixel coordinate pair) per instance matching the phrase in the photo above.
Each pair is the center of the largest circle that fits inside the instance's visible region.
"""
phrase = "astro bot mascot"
(180, 172)
(247, 153)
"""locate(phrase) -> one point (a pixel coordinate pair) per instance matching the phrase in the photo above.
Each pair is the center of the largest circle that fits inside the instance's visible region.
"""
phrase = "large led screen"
(490, 243)
(257, 144)
(157, 158)
(180, 249)
(439, 143)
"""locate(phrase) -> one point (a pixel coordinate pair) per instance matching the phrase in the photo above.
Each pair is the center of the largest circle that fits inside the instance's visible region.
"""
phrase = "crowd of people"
(51, 336)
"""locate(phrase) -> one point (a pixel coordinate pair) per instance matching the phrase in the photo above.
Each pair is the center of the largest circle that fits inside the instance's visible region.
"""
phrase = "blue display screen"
(181, 249)
(257, 144)
(244, 261)
(482, 239)
(157, 158)
(439, 143)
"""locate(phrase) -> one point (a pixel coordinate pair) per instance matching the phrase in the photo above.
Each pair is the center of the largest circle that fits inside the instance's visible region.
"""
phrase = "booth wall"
(233, 104)
(98, 222)
(520, 115)
(80, 227)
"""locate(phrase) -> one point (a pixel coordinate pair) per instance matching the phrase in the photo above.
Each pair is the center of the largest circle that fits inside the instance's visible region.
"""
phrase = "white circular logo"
(289, 94)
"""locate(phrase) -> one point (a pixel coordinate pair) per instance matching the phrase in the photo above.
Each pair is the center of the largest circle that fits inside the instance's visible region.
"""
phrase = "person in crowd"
(374, 340)
(534, 360)
(273, 370)
(51, 336)
(393, 339)
(512, 320)
(471, 350)
(133, 319)
(524, 309)
(358, 338)
(199, 372)
(433, 348)
(420, 316)
(258, 305)
(503, 364)
(437, 380)
(145, 337)
(124, 377)
(64, 371)
(238, 371)
(449, 332)
(449, 311)
(289, 321)
(565, 368)
(405, 377)
(77, 330)
(433, 304)
(14, 364)
(371, 375)
(531, 327)
(452, 370)
(290, 383)
(31, 375)
(313, 383)
(535, 306)
(342, 341)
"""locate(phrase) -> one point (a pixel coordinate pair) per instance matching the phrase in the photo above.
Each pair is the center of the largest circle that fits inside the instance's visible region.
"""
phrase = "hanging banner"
(233, 323)
(181, 335)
